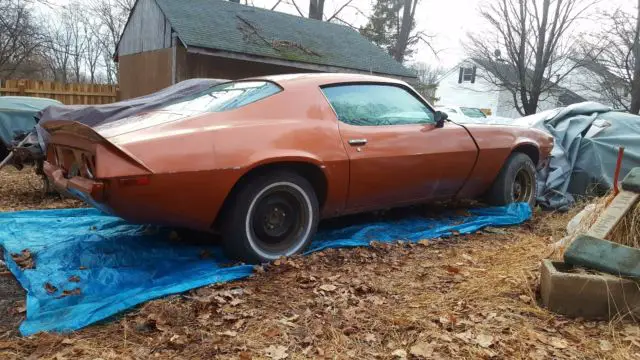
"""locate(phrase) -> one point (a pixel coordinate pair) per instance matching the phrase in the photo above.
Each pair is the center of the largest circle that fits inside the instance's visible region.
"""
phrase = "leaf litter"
(472, 296)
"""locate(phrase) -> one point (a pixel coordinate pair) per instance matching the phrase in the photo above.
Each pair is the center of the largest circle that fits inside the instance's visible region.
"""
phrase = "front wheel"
(270, 216)
(515, 183)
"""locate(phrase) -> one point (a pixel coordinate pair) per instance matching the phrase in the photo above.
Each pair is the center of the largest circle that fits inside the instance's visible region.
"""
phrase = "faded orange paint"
(194, 161)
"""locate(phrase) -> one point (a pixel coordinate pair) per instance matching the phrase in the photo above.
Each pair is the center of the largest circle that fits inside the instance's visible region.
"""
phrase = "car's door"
(397, 154)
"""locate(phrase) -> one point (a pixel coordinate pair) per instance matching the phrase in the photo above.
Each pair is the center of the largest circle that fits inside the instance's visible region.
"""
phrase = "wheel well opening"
(311, 172)
(529, 150)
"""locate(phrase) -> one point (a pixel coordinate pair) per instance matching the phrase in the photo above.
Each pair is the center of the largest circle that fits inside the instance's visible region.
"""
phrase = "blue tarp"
(116, 265)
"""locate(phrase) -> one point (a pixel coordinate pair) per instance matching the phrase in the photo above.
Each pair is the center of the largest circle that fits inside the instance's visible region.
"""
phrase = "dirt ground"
(467, 297)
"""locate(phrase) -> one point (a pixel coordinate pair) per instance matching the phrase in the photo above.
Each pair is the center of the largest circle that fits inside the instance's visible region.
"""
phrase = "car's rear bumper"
(91, 191)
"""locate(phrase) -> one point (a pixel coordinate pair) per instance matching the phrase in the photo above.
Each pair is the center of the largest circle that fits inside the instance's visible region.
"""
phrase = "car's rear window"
(227, 96)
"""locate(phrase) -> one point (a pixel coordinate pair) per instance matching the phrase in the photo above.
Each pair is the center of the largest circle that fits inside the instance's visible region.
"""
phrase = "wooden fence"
(68, 94)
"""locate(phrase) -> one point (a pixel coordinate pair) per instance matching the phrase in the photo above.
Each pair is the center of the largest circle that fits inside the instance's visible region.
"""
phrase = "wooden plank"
(613, 214)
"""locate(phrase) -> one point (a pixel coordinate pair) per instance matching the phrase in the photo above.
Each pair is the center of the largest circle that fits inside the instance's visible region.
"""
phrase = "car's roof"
(325, 78)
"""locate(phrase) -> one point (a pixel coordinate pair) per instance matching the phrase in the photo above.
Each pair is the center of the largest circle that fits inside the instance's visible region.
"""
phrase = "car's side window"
(377, 105)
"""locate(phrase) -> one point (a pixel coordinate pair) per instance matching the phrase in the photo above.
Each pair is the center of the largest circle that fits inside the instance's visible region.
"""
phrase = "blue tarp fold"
(116, 265)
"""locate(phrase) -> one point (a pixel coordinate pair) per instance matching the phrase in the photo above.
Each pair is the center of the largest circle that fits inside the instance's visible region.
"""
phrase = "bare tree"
(529, 48)
(317, 8)
(428, 78)
(615, 53)
(93, 50)
(58, 49)
(111, 17)
(19, 38)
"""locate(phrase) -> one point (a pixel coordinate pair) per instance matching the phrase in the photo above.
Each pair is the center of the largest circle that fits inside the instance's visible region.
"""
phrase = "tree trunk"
(405, 29)
(316, 9)
(635, 83)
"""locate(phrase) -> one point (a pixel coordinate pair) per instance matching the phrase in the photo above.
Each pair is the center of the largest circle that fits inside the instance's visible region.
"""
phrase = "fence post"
(21, 87)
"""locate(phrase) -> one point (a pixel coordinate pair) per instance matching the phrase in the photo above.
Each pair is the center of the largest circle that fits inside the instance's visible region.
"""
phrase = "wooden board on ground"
(612, 214)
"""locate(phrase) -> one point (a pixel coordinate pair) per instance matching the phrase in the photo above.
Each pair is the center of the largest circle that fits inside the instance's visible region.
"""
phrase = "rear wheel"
(270, 216)
(515, 183)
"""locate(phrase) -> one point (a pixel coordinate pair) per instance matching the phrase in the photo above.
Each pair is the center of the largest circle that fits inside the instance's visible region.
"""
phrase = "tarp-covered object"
(90, 266)
(17, 115)
(94, 115)
(587, 137)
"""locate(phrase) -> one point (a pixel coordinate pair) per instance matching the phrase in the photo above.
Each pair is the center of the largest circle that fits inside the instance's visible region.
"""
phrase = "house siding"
(143, 73)
(146, 30)
(481, 94)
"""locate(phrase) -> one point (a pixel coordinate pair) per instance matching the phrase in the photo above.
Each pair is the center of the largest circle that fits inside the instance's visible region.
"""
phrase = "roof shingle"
(229, 26)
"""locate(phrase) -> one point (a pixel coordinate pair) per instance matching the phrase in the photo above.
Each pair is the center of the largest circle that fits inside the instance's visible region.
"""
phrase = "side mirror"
(440, 118)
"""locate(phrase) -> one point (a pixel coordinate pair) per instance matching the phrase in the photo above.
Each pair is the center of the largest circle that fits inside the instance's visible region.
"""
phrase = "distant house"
(466, 85)
(167, 41)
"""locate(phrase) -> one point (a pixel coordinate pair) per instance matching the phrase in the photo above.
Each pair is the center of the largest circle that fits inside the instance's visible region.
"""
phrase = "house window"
(467, 74)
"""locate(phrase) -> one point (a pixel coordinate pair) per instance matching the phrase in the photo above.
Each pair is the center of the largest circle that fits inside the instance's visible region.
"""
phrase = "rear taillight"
(135, 181)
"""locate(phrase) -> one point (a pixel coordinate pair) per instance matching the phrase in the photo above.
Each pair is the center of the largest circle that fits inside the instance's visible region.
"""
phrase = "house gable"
(147, 29)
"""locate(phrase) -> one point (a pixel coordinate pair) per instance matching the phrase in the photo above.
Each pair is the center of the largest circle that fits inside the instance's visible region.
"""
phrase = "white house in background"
(466, 85)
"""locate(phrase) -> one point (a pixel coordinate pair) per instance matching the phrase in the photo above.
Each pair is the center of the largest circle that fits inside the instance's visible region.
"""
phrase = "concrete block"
(603, 255)
(631, 182)
(588, 296)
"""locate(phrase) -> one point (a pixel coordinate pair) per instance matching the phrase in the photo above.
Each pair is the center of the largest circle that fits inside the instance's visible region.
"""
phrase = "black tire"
(516, 182)
(255, 227)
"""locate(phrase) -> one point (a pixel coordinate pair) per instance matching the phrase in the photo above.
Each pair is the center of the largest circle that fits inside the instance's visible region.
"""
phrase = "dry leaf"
(468, 258)
(400, 354)
(424, 242)
(67, 341)
(21, 306)
(228, 333)
(245, 355)
(24, 259)
(328, 287)
(370, 338)
(65, 293)
(558, 343)
(525, 298)
(236, 302)
(422, 349)
(484, 340)
(74, 278)
(605, 345)
(50, 288)
(276, 352)
(452, 269)
(238, 324)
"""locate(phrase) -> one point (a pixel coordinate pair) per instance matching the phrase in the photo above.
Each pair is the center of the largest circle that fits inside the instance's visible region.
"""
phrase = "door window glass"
(377, 105)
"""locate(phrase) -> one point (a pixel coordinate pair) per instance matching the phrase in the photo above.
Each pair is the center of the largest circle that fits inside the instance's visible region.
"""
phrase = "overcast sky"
(447, 20)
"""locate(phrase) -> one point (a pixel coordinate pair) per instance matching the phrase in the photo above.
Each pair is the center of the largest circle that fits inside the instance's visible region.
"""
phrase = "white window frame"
(467, 74)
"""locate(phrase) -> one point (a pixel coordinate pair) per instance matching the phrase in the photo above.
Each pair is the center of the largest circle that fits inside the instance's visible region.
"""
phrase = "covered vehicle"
(587, 137)
(18, 118)
(263, 159)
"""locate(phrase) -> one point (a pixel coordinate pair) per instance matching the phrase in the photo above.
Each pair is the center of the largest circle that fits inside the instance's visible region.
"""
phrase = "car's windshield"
(472, 112)
(226, 96)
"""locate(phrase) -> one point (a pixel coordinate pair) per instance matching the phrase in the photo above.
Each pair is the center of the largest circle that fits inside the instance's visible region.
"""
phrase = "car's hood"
(142, 121)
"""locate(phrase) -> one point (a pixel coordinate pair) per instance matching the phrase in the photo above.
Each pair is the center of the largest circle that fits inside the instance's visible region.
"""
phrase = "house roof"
(229, 26)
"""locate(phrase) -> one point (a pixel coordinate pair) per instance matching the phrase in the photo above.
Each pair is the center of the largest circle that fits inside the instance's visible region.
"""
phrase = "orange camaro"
(263, 159)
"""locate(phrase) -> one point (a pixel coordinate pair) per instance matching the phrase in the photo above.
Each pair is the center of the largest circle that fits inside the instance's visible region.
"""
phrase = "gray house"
(167, 41)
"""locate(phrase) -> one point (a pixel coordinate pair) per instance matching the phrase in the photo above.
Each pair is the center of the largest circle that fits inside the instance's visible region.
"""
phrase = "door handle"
(358, 142)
